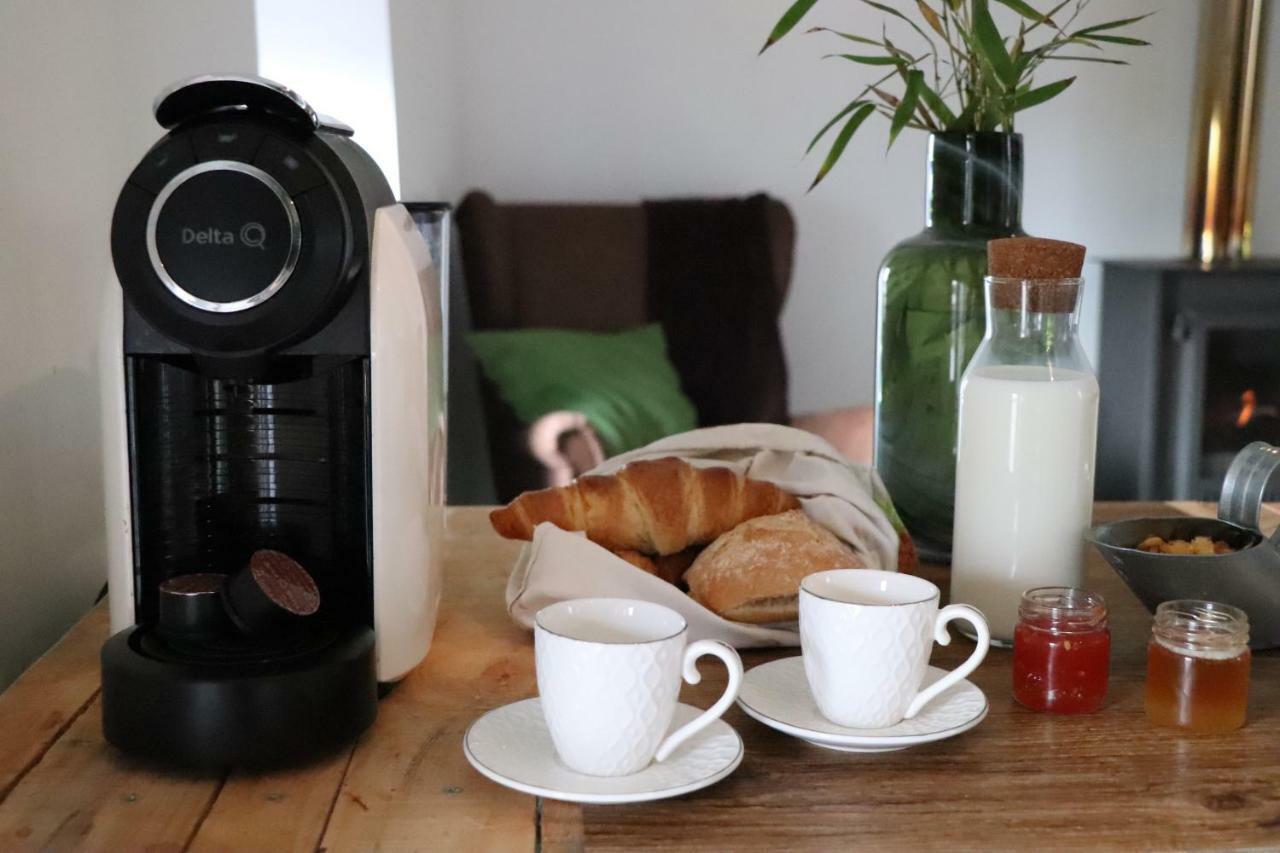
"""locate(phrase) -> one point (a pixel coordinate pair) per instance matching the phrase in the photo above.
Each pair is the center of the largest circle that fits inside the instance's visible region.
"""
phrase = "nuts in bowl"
(1203, 546)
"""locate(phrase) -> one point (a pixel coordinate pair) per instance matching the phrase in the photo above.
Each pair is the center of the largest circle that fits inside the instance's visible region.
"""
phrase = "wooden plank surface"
(406, 784)
(47, 698)
(409, 785)
(1018, 780)
(83, 794)
(279, 811)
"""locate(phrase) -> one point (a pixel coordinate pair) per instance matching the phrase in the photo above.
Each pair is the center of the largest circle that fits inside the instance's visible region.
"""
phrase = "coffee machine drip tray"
(251, 705)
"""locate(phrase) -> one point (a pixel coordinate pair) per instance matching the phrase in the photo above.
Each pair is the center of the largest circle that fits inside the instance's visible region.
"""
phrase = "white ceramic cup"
(609, 676)
(866, 637)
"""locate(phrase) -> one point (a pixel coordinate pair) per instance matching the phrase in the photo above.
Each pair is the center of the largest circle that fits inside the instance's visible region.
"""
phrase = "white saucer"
(511, 746)
(777, 694)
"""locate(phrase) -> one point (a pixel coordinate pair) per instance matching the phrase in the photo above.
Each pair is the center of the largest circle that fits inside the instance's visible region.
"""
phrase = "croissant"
(657, 507)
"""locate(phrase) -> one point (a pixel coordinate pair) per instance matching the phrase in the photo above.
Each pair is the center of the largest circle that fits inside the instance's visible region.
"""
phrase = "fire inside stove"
(1250, 409)
(1242, 399)
(1248, 404)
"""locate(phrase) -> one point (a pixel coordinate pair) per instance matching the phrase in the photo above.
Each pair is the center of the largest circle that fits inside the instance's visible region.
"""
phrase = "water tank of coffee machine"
(274, 385)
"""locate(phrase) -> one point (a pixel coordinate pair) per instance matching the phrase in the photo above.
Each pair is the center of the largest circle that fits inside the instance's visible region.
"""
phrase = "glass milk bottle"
(1024, 465)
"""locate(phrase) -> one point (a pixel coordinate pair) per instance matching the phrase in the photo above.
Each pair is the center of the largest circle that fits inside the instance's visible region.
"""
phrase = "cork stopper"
(1034, 257)
(1046, 269)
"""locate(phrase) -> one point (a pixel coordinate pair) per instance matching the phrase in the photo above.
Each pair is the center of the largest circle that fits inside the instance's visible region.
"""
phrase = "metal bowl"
(1248, 578)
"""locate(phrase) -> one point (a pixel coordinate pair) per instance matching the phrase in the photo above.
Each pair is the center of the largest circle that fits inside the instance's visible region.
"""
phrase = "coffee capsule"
(191, 608)
(273, 592)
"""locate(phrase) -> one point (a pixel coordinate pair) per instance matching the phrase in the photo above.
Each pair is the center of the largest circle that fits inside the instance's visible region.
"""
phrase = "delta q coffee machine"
(275, 429)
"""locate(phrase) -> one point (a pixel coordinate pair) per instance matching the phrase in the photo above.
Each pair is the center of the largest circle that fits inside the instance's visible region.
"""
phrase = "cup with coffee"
(609, 677)
(866, 637)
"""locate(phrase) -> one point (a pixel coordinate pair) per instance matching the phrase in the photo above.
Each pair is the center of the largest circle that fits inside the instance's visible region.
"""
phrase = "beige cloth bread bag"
(846, 498)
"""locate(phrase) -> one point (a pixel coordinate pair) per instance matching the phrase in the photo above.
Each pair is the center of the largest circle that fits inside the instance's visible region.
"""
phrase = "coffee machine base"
(254, 707)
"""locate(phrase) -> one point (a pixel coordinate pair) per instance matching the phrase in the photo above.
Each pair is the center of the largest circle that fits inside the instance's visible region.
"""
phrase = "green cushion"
(622, 382)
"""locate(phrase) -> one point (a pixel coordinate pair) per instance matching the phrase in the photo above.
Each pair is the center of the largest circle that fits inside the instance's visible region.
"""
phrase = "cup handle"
(975, 618)
(733, 663)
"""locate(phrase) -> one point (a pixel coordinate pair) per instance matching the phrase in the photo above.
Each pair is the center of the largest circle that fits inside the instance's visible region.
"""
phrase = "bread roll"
(753, 572)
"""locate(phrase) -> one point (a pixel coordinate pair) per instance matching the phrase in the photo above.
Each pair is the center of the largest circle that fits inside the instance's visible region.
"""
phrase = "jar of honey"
(1061, 650)
(1198, 666)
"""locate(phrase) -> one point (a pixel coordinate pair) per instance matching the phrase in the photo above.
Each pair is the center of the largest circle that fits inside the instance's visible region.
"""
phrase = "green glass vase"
(930, 320)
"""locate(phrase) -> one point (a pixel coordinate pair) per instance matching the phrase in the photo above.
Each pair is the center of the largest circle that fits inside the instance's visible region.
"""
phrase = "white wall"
(1267, 215)
(76, 82)
(621, 100)
(1107, 160)
(424, 43)
(337, 55)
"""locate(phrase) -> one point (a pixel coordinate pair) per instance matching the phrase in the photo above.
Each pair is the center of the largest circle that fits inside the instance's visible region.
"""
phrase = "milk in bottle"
(1025, 460)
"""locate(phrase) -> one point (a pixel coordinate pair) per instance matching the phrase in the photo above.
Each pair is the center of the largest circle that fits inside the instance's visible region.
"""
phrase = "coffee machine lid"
(207, 93)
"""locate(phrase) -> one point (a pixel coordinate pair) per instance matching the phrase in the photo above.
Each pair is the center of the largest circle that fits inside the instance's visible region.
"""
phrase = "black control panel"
(239, 234)
(223, 236)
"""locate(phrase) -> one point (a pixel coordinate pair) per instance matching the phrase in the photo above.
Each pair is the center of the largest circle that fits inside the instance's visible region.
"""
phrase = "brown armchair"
(586, 267)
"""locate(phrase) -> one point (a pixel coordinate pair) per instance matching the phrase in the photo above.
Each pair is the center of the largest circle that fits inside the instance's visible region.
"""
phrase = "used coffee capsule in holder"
(190, 607)
(269, 594)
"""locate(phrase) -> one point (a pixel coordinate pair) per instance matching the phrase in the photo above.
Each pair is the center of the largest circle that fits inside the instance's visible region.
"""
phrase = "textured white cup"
(609, 676)
(866, 637)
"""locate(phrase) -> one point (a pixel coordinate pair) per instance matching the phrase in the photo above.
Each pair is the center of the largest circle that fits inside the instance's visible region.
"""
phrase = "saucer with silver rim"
(777, 694)
(512, 746)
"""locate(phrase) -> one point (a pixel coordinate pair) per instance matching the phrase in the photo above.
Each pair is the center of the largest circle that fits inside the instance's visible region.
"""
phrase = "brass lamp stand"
(1224, 146)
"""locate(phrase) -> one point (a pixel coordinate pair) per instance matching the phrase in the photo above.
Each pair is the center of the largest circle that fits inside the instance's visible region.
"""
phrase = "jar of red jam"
(1061, 650)
(1198, 666)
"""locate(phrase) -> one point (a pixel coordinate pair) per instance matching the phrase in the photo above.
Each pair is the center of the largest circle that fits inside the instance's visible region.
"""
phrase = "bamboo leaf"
(964, 121)
(844, 112)
(787, 22)
(898, 52)
(907, 60)
(934, 102)
(907, 106)
(842, 140)
(1114, 40)
(931, 18)
(990, 44)
(1015, 53)
(889, 10)
(1022, 59)
(1069, 40)
(1031, 98)
(1048, 16)
(850, 36)
(1047, 49)
(1026, 11)
(867, 60)
(1112, 25)
(1088, 59)
(888, 97)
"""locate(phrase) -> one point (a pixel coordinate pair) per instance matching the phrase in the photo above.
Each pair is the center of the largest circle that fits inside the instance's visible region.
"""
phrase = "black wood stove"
(1189, 372)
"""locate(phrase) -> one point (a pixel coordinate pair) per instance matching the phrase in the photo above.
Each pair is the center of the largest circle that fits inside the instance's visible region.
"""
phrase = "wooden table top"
(1019, 780)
